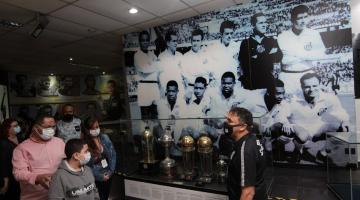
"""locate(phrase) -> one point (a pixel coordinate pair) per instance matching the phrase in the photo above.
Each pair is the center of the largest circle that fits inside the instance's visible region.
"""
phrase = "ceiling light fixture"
(133, 10)
(41, 23)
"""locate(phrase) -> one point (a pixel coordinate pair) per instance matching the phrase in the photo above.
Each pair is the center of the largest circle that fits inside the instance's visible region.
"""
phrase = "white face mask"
(95, 132)
(47, 133)
(17, 129)
(86, 159)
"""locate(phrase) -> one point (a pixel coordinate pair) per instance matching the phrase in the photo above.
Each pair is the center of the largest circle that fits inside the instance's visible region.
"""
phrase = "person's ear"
(76, 156)
(243, 128)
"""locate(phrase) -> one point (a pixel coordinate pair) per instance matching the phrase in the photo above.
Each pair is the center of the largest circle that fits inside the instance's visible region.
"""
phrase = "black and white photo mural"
(289, 62)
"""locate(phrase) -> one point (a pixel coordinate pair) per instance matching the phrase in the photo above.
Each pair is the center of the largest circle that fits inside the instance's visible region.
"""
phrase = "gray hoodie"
(67, 184)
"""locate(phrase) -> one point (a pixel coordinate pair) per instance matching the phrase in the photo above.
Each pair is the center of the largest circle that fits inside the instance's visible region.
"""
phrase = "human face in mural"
(261, 24)
(172, 44)
(227, 86)
(279, 94)
(226, 36)
(144, 42)
(311, 89)
(199, 89)
(171, 93)
(196, 43)
(301, 21)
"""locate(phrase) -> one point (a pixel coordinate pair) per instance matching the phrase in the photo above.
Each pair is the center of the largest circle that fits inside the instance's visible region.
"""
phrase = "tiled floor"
(300, 183)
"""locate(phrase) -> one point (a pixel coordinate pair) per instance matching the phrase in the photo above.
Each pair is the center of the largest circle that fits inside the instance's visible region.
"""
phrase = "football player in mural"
(223, 54)
(257, 56)
(199, 105)
(169, 63)
(171, 108)
(274, 94)
(300, 46)
(310, 114)
(147, 77)
(194, 62)
(231, 95)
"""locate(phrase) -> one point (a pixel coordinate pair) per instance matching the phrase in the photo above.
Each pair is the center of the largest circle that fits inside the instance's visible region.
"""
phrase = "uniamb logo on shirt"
(75, 192)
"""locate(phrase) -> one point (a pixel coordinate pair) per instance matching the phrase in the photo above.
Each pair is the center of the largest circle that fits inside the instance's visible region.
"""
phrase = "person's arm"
(247, 193)
(248, 169)
(21, 167)
(112, 154)
(22, 173)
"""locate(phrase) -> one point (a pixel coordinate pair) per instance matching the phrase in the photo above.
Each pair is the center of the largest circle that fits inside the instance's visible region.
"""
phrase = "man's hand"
(4, 189)
(106, 177)
(345, 126)
(43, 180)
(288, 128)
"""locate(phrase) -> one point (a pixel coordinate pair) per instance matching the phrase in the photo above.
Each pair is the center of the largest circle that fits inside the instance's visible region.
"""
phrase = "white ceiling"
(87, 30)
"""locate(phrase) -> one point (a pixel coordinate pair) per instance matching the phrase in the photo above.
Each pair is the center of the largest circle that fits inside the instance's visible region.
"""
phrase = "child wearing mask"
(73, 179)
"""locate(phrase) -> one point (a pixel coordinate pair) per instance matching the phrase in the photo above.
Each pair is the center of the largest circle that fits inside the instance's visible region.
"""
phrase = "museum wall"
(242, 61)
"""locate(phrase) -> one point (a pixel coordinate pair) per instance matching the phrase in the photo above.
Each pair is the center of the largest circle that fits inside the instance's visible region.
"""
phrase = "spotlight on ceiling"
(41, 23)
(133, 10)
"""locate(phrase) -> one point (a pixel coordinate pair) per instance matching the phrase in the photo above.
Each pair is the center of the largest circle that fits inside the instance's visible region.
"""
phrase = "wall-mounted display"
(101, 96)
(4, 103)
(290, 63)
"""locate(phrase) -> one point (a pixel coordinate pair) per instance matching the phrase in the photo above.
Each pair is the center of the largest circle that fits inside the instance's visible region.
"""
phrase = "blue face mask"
(17, 129)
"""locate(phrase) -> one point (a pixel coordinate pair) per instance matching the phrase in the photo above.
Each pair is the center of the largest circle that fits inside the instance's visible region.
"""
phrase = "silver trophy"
(221, 166)
(167, 165)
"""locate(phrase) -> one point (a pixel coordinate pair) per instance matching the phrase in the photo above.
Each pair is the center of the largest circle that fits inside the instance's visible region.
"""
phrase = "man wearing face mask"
(37, 158)
(74, 179)
(247, 161)
(69, 127)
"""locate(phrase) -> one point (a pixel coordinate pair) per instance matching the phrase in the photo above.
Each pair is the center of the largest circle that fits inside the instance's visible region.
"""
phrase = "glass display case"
(343, 172)
(137, 167)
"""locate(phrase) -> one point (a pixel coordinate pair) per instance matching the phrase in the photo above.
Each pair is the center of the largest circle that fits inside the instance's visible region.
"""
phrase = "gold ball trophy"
(205, 149)
(167, 165)
(188, 156)
(148, 163)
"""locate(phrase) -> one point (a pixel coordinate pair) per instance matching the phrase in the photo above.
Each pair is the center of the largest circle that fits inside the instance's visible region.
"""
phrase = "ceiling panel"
(16, 14)
(195, 2)
(37, 5)
(109, 38)
(71, 28)
(128, 29)
(180, 15)
(115, 9)
(159, 7)
(87, 18)
(151, 23)
(213, 5)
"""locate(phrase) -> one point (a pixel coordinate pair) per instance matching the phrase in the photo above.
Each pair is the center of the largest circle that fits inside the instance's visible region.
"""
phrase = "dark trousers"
(104, 188)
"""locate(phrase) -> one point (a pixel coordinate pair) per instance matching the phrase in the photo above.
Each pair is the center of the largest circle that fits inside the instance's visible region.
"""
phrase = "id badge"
(104, 163)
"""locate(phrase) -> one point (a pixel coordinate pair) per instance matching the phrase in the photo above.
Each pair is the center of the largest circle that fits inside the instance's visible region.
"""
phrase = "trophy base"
(149, 167)
(205, 179)
(169, 172)
(188, 177)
